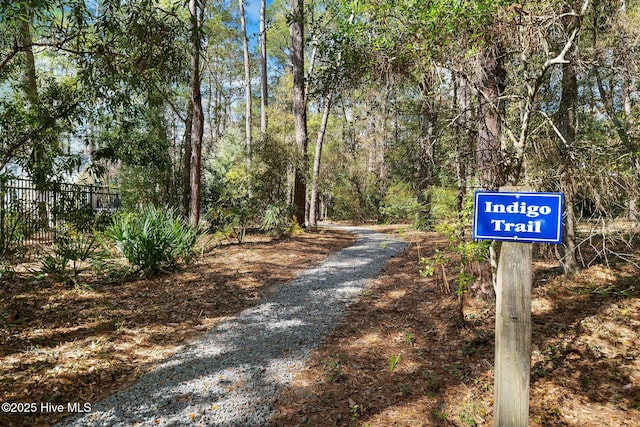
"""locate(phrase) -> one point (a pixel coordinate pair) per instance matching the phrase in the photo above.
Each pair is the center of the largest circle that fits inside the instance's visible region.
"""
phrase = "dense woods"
(415, 103)
(201, 120)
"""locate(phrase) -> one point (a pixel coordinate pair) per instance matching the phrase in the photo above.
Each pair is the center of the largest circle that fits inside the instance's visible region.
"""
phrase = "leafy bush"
(276, 219)
(352, 199)
(230, 218)
(400, 204)
(74, 248)
(6, 270)
(153, 239)
(13, 227)
(444, 204)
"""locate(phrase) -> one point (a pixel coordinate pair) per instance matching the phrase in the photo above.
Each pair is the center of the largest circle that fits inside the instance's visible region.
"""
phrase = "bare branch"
(560, 59)
(14, 51)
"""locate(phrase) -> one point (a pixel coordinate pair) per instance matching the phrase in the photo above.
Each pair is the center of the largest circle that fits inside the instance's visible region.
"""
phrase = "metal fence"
(31, 214)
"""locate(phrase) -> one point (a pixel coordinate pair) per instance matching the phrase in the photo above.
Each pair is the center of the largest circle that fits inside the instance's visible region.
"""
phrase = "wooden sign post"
(513, 336)
(517, 219)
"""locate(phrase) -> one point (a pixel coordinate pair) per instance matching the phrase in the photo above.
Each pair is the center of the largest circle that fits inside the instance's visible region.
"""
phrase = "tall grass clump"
(153, 239)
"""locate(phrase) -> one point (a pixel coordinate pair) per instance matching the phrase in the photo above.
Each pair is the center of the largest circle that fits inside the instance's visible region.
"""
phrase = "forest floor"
(585, 363)
(65, 344)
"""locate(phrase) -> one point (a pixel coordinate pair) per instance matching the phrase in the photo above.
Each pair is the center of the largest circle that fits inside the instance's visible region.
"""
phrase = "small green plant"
(431, 380)
(354, 410)
(393, 362)
(405, 389)
(229, 220)
(294, 228)
(400, 204)
(440, 415)
(410, 338)
(55, 266)
(14, 229)
(469, 349)
(6, 270)
(434, 266)
(276, 220)
(630, 292)
(334, 372)
(153, 239)
(585, 381)
(71, 248)
(470, 411)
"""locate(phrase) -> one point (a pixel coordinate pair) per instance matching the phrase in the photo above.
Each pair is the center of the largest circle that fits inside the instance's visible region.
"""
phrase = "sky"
(252, 11)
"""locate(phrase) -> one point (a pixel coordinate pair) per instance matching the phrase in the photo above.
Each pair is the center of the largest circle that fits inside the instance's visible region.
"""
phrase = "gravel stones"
(231, 376)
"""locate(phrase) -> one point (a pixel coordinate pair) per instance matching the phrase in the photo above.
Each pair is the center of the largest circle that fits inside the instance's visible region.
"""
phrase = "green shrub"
(12, 232)
(153, 239)
(74, 248)
(444, 204)
(276, 219)
(6, 270)
(230, 218)
(400, 204)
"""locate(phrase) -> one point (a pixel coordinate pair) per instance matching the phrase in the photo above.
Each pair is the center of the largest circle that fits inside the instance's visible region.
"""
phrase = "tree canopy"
(427, 100)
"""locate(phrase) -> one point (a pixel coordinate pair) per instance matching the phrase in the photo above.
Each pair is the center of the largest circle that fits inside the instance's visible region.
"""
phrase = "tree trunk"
(30, 87)
(489, 159)
(567, 128)
(186, 159)
(29, 82)
(629, 124)
(264, 99)
(313, 204)
(299, 110)
(568, 249)
(463, 137)
(425, 159)
(247, 87)
(197, 130)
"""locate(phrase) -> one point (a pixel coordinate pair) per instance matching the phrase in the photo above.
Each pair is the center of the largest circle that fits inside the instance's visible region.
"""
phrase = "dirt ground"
(401, 357)
(63, 344)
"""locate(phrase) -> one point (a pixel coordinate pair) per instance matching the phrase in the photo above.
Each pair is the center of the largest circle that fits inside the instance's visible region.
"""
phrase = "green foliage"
(153, 239)
(6, 270)
(226, 188)
(72, 209)
(276, 219)
(38, 128)
(230, 219)
(470, 254)
(400, 204)
(14, 230)
(354, 411)
(354, 198)
(136, 49)
(75, 248)
(428, 265)
(393, 362)
(269, 166)
(443, 204)
(334, 371)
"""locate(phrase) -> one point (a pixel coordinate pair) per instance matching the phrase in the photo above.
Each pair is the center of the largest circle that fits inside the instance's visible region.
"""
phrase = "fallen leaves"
(582, 372)
(66, 344)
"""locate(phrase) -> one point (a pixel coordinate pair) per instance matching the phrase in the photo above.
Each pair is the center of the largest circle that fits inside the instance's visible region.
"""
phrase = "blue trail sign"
(518, 216)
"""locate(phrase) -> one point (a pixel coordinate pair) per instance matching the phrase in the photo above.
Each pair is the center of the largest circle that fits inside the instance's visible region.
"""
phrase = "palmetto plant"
(153, 239)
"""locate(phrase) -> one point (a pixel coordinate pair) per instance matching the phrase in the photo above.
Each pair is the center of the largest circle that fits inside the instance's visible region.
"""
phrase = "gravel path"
(232, 376)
